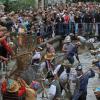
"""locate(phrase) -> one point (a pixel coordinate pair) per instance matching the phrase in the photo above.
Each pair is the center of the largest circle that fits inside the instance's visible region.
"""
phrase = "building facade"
(45, 3)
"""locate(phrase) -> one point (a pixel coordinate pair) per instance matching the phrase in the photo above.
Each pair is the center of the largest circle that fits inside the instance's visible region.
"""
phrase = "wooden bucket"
(23, 60)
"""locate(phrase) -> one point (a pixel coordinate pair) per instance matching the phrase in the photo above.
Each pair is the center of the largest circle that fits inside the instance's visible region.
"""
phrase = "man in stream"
(55, 89)
(81, 81)
(70, 50)
(62, 71)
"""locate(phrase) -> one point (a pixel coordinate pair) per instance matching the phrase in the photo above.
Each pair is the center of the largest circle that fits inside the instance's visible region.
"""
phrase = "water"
(85, 59)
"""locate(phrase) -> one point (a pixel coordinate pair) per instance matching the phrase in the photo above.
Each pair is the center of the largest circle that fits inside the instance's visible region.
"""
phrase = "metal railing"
(62, 28)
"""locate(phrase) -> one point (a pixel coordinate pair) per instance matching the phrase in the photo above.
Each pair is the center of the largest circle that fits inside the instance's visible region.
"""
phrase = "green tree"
(26, 3)
(18, 4)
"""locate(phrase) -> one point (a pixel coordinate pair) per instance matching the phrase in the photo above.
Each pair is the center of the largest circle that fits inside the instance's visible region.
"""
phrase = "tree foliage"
(18, 4)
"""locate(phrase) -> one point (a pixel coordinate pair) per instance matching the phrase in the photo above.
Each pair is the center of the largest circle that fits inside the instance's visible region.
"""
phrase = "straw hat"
(49, 56)
(66, 63)
(13, 86)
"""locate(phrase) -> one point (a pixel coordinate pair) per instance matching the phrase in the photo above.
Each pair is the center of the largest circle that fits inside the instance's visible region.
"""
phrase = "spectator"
(97, 21)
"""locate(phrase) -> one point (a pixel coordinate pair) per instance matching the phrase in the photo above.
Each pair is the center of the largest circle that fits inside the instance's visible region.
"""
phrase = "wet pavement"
(86, 61)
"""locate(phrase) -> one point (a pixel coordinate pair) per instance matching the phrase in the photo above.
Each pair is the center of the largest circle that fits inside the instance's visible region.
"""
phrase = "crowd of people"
(76, 22)
(79, 18)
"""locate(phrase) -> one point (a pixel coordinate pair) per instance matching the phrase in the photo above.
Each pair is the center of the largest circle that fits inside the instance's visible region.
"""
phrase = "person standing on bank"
(81, 81)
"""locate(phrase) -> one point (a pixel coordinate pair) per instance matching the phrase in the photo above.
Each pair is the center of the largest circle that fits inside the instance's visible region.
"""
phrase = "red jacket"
(6, 46)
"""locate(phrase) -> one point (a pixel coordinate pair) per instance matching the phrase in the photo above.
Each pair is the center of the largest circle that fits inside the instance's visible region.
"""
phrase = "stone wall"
(56, 41)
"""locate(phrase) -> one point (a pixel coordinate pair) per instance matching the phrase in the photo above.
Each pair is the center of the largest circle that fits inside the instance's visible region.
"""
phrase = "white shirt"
(72, 17)
(73, 74)
(37, 55)
(63, 76)
(57, 69)
(91, 40)
(82, 39)
(52, 92)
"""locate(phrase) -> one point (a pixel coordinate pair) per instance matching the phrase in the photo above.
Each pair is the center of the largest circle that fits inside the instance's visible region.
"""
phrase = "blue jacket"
(98, 64)
(83, 82)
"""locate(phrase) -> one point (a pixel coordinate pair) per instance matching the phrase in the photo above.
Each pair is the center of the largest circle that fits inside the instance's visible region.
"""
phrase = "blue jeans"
(71, 60)
(88, 27)
(67, 29)
(72, 27)
(80, 95)
(76, 27)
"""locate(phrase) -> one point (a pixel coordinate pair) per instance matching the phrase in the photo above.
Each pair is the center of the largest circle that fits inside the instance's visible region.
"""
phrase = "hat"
(93, 52)
(35, 85)
(71, 34)
(67, 39)
(12, 13)
(95, 61)
(50, 75)
(66, 63)
(11, 44)
(79, 68)
(49, 56)
(99, 49)
(78, 43)
(71, 12)
(40, 48)
(3, 28)
(12, 86)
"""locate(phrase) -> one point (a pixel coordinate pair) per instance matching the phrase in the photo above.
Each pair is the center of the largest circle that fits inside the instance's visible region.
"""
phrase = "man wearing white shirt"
(55, 89)
(37, 55)
(62, 71)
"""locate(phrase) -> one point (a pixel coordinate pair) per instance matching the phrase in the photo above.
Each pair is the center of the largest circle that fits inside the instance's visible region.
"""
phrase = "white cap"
(67, 39)
(71, 12)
